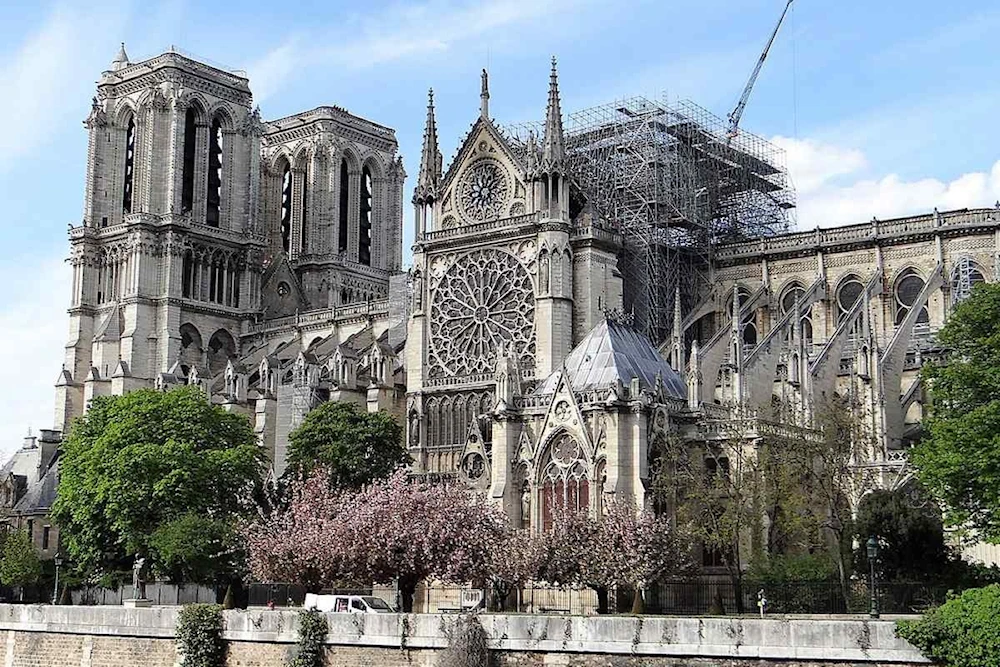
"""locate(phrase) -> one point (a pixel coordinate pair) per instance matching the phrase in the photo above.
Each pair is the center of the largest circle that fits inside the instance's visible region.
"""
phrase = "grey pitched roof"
(613, 351)
(39, 496)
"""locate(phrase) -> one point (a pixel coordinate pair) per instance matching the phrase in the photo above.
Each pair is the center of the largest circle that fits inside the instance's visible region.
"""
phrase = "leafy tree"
(355, 447)
(958, 459)
(136, 464)
(391, 530)
(911, 534)
(512, 559)
(19, 564)
(196, 549)
(963, 632)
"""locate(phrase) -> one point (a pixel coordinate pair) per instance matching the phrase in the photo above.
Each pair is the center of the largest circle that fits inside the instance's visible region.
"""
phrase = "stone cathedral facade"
(261, 260)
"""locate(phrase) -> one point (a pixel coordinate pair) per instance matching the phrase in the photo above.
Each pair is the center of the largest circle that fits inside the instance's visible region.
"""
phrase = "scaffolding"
(667, 176)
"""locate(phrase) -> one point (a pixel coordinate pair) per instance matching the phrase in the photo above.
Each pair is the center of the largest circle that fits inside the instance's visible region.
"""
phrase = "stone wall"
(45, 636)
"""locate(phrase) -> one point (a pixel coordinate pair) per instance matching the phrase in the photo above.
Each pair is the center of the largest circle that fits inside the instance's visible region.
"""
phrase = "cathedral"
(542, 339)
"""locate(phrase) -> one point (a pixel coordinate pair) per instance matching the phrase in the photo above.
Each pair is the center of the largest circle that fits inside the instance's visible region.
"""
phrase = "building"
(576, 293)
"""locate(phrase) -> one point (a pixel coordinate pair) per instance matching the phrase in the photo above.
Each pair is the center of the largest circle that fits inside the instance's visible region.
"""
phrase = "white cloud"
(397, 33)
(834, 187)
(48, 76)
(33, 331)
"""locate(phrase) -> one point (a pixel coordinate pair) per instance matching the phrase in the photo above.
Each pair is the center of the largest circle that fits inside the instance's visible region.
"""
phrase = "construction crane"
(734, 117)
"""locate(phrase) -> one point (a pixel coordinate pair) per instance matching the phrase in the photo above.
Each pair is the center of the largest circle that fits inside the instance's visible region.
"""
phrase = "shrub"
(312, 631)
(199, 636)
(468, 645)
(963, 632)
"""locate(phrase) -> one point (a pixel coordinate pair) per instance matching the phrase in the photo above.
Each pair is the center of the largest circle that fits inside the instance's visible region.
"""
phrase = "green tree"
(958, 459)
(134, 464)
(197, 549)
(912, 536)
(19, 564)
(355, 446)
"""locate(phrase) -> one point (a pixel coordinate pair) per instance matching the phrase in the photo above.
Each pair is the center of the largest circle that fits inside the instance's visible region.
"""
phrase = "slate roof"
(614, 351)
(39, 496)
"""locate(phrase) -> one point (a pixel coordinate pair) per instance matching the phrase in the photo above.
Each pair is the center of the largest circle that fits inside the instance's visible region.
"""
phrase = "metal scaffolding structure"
(670, 179)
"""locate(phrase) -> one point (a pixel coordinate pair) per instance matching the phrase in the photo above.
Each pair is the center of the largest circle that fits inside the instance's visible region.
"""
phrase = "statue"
(136, 580)
(525, 505)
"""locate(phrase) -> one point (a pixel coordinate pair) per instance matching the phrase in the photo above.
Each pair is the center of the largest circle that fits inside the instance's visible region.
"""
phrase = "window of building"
(905, 295)
(187, 176)
(964, 277)
(716, 469)
(214, 198)
(748, 326)
(286, 207)
(848, 294)
(793, 292)
(31, 530)
(129, 166)
(365, 217)
(564, 480)
(345, 184)
(46, 530)
(188, 275)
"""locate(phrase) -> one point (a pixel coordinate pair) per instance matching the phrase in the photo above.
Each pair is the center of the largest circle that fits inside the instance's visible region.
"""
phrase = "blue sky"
(884, 108)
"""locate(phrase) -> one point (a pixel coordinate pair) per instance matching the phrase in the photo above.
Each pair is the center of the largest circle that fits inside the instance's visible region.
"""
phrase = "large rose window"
(483, 191)
(484, 302)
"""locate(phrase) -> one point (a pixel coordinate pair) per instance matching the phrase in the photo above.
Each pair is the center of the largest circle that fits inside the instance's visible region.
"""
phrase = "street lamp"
(55, 593)
(872, 545)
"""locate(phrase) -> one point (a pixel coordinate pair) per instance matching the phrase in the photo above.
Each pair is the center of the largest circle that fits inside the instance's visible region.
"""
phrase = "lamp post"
(872, 545)
(55, 592)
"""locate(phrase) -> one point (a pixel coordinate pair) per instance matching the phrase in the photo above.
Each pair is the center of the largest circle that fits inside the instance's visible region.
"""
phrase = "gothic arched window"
(847, 295)
(905, 293)
(345, 184)
(286, 206)
(564, 481)
(213, 205)
(964, 277)
(748, 326)
(794, 292)
(187, 174)
(366, 204)
(129, 166)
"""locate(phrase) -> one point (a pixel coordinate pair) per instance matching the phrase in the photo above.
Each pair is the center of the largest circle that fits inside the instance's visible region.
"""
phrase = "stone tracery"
(484, 301)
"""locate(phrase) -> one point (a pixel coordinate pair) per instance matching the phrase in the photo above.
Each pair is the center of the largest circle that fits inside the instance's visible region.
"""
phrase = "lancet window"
(564, 482)
(365, 217)
(213, 206)
(129, 166)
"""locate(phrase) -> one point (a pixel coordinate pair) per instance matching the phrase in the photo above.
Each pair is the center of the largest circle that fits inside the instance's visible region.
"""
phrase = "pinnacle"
(121, 60)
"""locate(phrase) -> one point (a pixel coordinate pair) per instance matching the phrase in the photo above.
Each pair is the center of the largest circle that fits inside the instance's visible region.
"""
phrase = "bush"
(468, 645)
(313, 629)
(199, 636)
(963, 632)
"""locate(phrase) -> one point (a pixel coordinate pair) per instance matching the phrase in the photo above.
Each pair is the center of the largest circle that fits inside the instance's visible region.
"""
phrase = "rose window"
(484, 302)
(483, 191)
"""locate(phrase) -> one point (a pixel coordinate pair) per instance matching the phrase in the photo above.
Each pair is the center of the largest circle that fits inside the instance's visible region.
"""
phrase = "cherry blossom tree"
(512, 560)
(304, 541)
(391, 531)
(634, 549)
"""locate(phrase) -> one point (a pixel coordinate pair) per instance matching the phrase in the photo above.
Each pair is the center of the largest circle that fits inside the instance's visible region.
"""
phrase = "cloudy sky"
(884, 108)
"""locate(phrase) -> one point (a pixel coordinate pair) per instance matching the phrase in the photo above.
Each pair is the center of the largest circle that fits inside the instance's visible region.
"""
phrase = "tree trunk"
(407, 588)
(602, 599)
(638, 603)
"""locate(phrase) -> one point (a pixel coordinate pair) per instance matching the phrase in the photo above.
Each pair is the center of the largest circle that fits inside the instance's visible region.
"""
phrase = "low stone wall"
(118, 637)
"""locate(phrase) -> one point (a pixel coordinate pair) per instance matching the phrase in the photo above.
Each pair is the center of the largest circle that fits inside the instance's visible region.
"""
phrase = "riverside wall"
(46, 636)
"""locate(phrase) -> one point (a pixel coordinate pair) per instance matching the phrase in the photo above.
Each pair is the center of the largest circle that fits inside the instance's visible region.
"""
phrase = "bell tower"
(166, 261)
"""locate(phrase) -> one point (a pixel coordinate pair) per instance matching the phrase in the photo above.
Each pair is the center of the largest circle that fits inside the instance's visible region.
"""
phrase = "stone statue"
(525, 505)
(136, 577)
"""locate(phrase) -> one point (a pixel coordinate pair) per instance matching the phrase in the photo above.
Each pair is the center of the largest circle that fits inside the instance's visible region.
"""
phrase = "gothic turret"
(554, 149)
(484, 97)
(121, 60)
(551, 186)
(429, 176)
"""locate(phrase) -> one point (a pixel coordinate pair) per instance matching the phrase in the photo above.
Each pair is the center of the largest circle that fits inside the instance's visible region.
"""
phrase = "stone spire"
(430, 157)
(554, 149)
(484, 97)
(121, 60)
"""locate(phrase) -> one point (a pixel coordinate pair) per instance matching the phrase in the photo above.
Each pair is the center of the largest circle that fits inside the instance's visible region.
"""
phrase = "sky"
(883, 108)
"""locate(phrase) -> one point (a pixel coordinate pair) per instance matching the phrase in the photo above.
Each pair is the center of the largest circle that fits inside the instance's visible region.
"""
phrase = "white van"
(344, 604)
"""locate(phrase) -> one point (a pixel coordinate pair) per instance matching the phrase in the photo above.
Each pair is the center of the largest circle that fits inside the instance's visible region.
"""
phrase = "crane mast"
(737, 113)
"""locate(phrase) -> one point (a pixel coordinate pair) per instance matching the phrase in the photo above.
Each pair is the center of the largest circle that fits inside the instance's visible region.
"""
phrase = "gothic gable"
(282, 294)
(485, 182)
